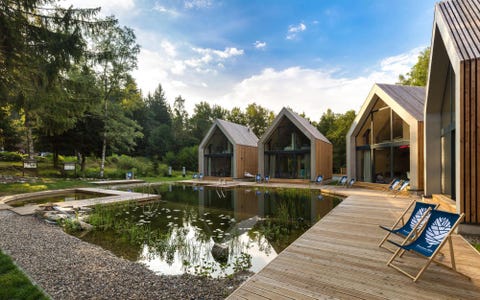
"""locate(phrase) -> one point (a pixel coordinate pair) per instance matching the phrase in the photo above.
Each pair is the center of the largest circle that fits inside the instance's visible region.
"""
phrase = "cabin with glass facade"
(385, 140)
(292, 148)
(228, 150)
(452, 109)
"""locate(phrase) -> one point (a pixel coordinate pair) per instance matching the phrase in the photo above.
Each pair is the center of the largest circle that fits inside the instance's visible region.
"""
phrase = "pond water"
(70, 196)
(207, 231)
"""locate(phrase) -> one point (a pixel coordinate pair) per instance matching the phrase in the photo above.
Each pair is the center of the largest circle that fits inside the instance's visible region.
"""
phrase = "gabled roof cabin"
(292, 148)
(228, 150)
(452, 109)
(385, 140)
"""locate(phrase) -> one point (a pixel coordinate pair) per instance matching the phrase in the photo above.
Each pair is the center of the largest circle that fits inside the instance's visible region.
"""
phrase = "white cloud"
(169, 48)
(293, 30)
(260, 45)
(198, 4)
(164, 10)
(313, 91)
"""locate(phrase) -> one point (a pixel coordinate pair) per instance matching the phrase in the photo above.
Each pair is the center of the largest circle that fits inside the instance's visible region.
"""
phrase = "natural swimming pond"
(63, 197)
(207, 231)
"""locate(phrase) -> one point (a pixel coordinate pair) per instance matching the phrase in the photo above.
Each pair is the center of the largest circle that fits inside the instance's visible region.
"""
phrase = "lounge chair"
(258, 178)
(249, 175)
(195, 176)
(401, 188)
(319, 179)
(200, 176)
(433, 237)
(393, 184)
(343, 180)
(420, 210)
(350, 183)
(267, 178)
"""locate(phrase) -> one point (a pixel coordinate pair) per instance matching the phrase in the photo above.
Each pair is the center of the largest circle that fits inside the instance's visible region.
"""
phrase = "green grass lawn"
(41, 185)
(14, 284)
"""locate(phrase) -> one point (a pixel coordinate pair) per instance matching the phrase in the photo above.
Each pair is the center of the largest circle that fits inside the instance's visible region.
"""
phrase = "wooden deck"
(109, 196)
(339, 258)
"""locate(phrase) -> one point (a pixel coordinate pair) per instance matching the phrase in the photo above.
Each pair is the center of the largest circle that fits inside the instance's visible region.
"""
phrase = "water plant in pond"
(198, 232)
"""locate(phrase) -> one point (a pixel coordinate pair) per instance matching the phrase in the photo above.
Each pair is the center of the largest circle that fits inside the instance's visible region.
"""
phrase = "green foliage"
(187, 157)
(11, 156)
(71, 225)
(335, 127)
(418, 75)
(141, 165)
(14, 284)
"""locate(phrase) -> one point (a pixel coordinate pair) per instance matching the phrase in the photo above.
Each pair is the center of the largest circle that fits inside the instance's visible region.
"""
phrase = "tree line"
(66, 87)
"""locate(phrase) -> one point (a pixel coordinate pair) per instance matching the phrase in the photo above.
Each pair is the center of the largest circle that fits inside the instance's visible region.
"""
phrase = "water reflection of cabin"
(385, 140)
(292, 148)
(452, 110)
(228, 150)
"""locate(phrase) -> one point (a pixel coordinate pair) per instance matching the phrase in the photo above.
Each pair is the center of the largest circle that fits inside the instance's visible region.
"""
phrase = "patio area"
(339, 257)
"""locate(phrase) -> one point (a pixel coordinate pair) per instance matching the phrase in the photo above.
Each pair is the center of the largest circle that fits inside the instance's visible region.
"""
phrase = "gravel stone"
(66, 267)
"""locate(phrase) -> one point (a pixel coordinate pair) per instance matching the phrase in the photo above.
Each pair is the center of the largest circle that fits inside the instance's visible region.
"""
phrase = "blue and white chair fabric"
(435, 233)
(420, 211)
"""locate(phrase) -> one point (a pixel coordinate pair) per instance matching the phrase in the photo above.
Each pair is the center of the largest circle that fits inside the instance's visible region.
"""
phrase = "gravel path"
(69, 268)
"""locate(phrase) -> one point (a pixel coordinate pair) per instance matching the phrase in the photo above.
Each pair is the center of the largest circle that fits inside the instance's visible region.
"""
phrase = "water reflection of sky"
(199, 253)
(191, 226)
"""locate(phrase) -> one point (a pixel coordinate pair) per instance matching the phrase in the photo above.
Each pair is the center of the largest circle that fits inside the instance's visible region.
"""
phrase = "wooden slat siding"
(460, 22)
(472, 19)
(420, 158)
(470, 141)
(466, 183)
(477, 99)
(462, 133)
(463, 20)
(450, 23)
(246, 160)
(474, 129)
(324, 159)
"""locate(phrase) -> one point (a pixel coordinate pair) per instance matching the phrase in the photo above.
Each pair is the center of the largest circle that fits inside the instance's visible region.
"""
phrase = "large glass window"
(287, 152)
(383, 151)
(381, 126)
(448, 136)
(218, 158)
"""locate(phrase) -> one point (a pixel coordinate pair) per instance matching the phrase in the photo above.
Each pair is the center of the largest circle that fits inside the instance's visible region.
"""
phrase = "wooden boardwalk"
(105, 197)
(339, 258)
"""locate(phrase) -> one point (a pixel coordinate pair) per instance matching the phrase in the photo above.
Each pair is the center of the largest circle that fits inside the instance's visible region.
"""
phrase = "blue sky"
(308, 55)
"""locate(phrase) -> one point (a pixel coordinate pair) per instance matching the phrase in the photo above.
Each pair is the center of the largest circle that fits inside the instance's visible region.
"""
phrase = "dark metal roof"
(462, 18)
(237, 134)
(411, 98)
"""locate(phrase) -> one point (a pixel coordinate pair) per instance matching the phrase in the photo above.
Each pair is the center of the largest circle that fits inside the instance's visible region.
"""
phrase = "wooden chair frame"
(431, 259)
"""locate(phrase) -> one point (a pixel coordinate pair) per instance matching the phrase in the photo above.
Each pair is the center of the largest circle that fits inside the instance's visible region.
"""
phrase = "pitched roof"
(236, 133)
(461, 17)
(304, 125)
(411, 98)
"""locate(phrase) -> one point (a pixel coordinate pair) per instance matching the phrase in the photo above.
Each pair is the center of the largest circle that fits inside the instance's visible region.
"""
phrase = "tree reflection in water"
(198, 232)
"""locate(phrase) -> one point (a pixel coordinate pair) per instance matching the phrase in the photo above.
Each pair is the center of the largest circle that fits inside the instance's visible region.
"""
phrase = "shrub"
(138, 165)
(11, 156)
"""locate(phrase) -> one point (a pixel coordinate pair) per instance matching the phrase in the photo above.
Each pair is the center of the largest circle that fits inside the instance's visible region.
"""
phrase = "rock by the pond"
(66, 267)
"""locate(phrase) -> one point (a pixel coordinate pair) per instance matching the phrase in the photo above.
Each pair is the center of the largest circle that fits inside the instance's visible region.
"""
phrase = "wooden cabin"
(452, 109)
(292, 148)
(228, 150)
(385, 140)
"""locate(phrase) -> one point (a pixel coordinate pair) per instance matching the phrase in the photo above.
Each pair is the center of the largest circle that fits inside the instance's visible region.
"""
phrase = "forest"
(66, 88)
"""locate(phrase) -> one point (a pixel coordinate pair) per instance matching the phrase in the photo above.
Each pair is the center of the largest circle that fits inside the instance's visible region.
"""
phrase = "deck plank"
(339, 258)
